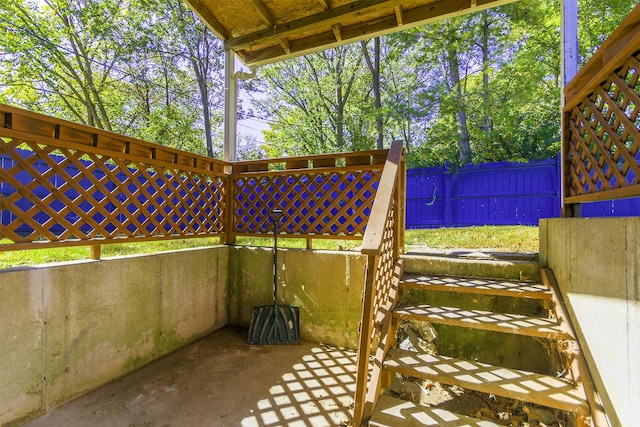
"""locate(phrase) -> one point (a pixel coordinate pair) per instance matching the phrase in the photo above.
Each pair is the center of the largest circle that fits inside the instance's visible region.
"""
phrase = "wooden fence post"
(229, 238)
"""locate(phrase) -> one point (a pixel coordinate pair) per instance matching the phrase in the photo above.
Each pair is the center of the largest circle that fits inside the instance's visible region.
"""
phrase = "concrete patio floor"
(221, 381)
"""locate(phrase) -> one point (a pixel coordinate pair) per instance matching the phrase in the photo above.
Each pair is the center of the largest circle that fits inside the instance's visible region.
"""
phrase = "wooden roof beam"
(410, 17)
(399, 16)
(337, 31)
(286, 46)
(324, 19)
(205, 15)
(325, 4)
(265, 13)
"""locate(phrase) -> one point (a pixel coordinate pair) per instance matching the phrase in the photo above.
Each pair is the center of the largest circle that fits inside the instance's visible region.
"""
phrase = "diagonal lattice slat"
(383, 282)
(58, 194)
(603, 150)
(334, 202)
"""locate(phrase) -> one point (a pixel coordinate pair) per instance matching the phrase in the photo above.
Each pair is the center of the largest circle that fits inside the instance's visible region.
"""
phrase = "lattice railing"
(318, 198)
(67, 184)
(382, 245)
(602, 127)
(333, 203)
(64, 183)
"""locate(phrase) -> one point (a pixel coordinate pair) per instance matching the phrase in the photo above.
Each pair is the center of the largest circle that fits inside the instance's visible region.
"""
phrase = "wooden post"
(569, 60)
(230, 106)
(364, 347)
(95, 251)
(309, 244)
(229, 238)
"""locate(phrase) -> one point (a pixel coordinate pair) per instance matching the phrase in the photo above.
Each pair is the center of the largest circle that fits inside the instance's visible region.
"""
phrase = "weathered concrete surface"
(69, 328)
(448, 266)
(326, 285)
(221, 381)
(72, 327)
(597, 265)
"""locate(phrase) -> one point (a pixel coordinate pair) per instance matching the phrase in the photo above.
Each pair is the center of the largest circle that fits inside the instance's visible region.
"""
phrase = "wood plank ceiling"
(265, 31)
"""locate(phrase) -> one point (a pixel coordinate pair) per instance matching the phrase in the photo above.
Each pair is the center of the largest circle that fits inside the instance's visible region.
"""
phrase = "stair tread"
(526, 386)
(392, 412)
(484, 320)
(477, 286)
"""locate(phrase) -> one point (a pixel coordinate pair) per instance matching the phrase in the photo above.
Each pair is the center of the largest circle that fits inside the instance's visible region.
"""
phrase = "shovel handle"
(275, 216)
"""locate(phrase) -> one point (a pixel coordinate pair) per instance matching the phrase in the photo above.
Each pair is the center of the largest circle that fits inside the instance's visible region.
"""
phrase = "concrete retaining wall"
(597, 265)
(326, 285)
(69, 328)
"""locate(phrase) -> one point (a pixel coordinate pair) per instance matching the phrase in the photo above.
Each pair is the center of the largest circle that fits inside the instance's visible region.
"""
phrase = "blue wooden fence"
(499, 193)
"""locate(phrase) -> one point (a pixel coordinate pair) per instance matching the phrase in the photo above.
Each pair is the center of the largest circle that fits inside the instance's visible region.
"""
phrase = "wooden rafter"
(399, 15)
(261, 31)
(337, 31)
(209, 18)
(324, 19)
(264, 12)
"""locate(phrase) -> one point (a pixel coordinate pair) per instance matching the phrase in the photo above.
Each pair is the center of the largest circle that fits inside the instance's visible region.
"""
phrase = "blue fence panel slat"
(500, 193)
(612, 208)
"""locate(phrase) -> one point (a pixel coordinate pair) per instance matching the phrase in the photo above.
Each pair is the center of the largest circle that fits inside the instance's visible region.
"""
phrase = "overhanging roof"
(265, 31)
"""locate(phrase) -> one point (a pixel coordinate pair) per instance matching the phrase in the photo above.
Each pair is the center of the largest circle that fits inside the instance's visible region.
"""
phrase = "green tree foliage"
(312, 100)
(144, 68)
(476, 88)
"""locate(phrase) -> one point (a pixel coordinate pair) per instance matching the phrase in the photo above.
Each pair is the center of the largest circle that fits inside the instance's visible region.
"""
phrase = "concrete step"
(494, 287)
(525, 386)
(392, 412)
(484, 320)
(454, 266)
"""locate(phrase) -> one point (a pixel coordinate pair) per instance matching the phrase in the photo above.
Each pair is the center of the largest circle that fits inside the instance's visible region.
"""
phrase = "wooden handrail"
(372, 240)
(371, 157)
(19, 123)
(382, 244)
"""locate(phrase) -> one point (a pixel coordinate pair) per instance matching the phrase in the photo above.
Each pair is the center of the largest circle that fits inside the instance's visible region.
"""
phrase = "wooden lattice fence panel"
(604, 149)
(335, 202)
(601, 139)
(57, 191)
(383, 279)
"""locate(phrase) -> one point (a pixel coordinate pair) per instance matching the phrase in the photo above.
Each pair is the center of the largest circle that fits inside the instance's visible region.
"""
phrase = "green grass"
(503, 238)
(519, 239)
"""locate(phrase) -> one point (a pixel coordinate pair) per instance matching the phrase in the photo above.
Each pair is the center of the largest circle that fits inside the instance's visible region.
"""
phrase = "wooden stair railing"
(601, 135)
(383, 243)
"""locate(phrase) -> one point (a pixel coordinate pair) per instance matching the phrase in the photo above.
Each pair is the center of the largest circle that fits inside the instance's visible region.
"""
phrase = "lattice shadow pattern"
(318, 392)
(541, 389)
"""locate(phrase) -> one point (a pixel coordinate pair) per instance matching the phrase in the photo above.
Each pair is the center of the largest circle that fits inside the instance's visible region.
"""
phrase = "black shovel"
(275, 324)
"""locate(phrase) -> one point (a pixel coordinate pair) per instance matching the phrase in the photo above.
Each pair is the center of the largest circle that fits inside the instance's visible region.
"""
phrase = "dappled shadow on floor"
(221, 381)
(318, 391)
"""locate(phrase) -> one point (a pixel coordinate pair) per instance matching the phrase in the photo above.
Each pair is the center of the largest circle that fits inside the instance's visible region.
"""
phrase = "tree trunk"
(340, 101)
(486, 120)
(464, 147)
(374, 69)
